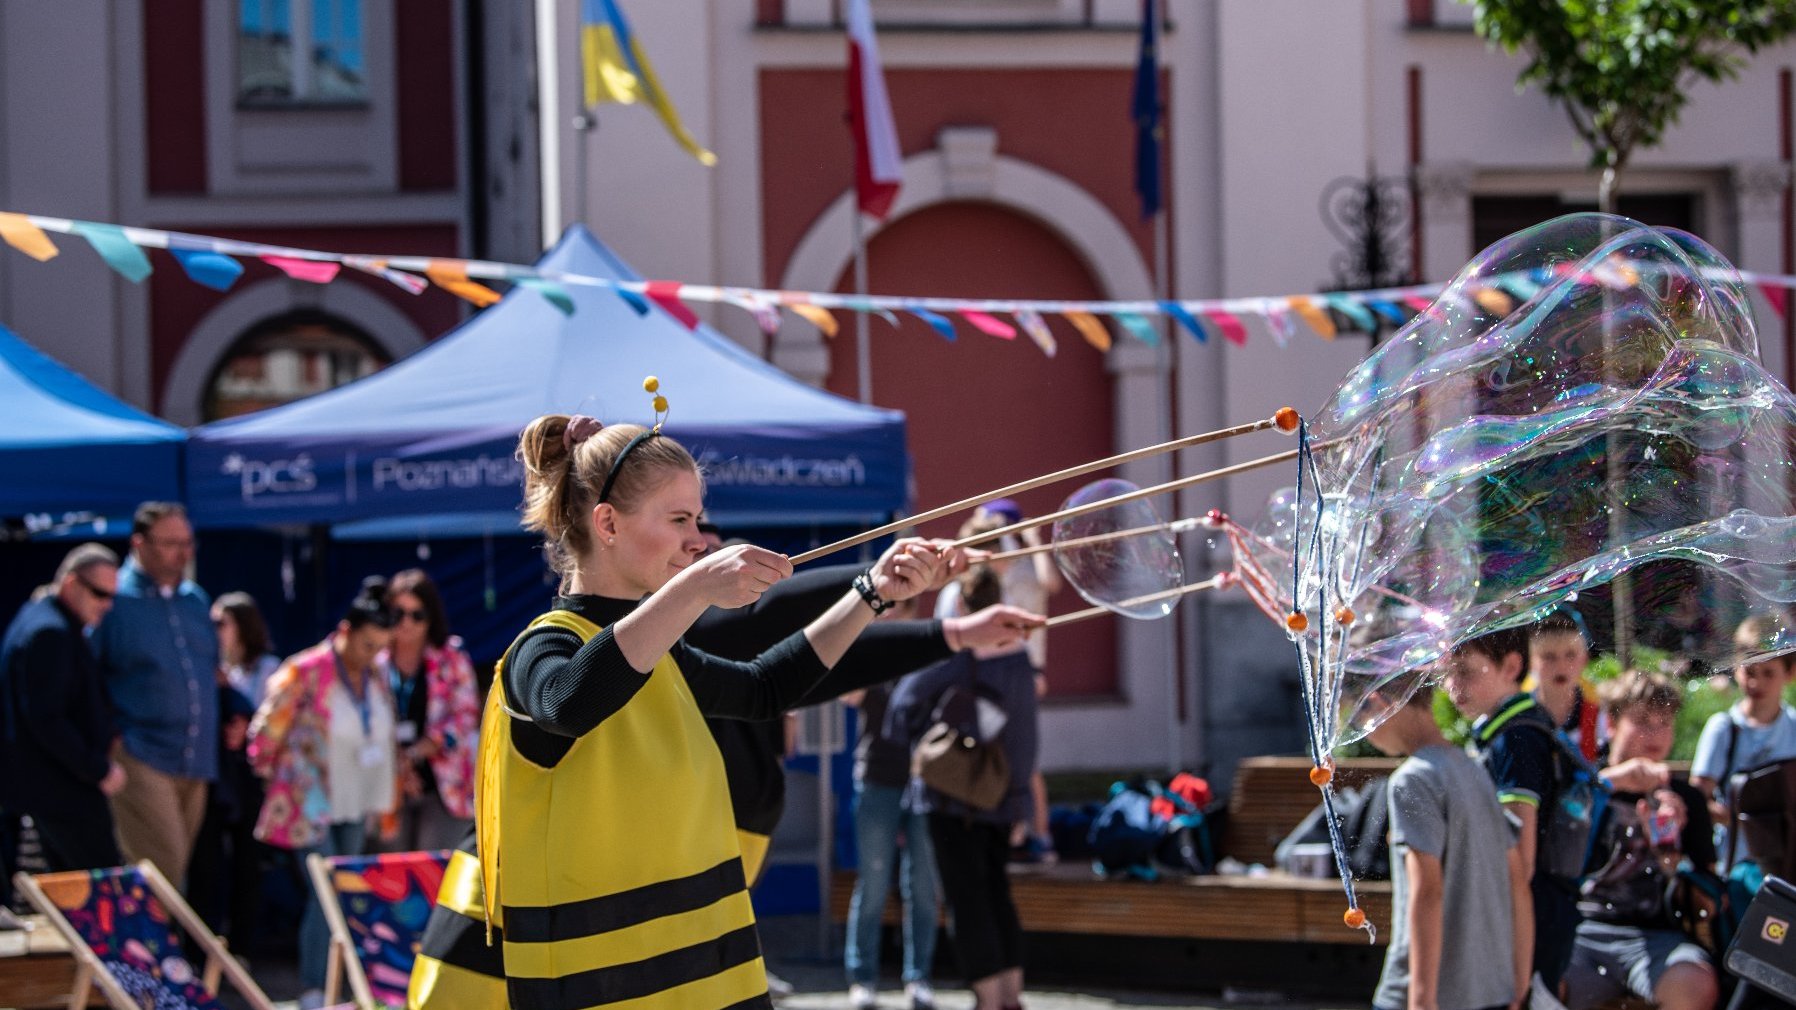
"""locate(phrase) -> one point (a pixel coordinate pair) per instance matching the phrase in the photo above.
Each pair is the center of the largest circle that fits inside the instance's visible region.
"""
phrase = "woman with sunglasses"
(436, 712)
(323, 739)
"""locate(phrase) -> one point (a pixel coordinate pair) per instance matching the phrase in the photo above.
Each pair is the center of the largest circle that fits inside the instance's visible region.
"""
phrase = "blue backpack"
(1127, 836)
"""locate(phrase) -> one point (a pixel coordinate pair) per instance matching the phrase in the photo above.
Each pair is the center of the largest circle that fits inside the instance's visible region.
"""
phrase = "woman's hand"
(737, 576)
(907, 568)
(955, 560)
(996, 627)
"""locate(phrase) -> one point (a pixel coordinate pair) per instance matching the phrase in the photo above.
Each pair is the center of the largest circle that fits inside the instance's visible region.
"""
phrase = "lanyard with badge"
(372, 752)
(405, 730)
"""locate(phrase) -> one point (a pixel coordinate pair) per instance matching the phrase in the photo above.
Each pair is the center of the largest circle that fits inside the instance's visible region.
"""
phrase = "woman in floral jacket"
(323, 739)
(436, 718)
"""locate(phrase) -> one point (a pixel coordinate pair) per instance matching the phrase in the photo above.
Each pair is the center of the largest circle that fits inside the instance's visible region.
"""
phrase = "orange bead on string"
(1286, 419)
(1354, 918)
(1321, 775)
(1296, 622)
(1344, 616)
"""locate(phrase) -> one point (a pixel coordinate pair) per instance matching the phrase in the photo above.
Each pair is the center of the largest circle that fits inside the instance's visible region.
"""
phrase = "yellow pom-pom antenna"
(659, 402)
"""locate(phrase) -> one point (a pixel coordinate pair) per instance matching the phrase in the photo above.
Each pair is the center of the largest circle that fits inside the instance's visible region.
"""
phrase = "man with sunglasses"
(55, 731)
(159, 656)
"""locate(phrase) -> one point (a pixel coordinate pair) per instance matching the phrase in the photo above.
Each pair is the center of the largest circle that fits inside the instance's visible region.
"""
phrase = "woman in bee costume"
(607, 851)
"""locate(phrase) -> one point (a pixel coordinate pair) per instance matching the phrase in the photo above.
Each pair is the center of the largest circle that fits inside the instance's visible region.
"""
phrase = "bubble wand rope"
(1284, 420)
(1171, 526)
(1322, 774)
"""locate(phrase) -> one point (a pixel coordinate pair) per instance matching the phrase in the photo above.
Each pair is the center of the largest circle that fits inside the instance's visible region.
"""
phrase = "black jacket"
(56, 731)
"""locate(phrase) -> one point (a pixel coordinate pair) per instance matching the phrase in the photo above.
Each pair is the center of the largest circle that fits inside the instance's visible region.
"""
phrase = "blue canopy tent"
(425, 446)
(72, 457)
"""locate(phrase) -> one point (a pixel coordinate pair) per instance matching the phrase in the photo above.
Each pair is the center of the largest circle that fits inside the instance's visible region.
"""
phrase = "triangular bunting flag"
(1279, 321)
(410, 283)
(1312, 315)
(214, 270)
(1187, 320)
(1142, 329)
(667, 295)
(119, 252)
(551, 292)
(817, 316)
(634, 299)
(26, 237)
(989, 325)
(1038, 331)
(1389, 310)
(1230, 325)
(942, 324)
(1778, 297)
(452, 276)
(868, 305)
(1091, 328)
(1352, 309)
(310, 271)
(1493, 301)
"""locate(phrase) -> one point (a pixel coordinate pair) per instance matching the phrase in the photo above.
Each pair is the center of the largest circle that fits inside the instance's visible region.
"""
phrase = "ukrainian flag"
(617, 70)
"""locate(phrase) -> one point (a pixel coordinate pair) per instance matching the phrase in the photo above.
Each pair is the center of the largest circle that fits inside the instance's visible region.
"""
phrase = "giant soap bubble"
(1503, 456)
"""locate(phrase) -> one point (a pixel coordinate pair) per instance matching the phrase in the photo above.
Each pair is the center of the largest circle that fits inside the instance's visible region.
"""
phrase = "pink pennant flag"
(667, 295)
(989, 325)
(1419, 303)
(313, 271)
(1232, 330)
(1778, 297)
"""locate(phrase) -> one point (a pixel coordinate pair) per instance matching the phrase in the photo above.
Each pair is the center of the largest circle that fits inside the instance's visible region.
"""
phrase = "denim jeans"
(879, 817)
(340, 839)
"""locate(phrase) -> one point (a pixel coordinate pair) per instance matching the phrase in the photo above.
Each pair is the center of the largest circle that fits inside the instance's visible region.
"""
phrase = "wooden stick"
(1146, 492)
(1281, 421)
(1175, 526)
(1168, 594)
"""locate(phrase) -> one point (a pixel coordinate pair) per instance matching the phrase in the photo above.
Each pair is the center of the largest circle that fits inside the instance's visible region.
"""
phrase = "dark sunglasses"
(220, 621)
(99, 594)
(415, 615)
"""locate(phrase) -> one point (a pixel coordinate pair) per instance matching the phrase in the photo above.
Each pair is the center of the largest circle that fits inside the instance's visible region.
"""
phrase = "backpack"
(1570, 815)
(1126, 834)
(1709, 907)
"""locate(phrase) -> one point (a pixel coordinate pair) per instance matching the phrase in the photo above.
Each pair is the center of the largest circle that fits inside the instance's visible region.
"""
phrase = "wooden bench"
(1270, 796)
(44, 974)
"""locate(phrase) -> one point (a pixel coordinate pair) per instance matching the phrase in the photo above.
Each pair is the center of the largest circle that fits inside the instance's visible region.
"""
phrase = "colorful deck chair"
(121, 927)
(377, 907)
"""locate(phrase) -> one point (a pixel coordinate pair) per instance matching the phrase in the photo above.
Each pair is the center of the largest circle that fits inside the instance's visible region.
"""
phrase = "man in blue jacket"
(159, 655)
(55, 732)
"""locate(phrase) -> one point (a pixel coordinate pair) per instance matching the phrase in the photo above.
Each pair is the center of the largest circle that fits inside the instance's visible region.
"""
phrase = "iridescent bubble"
(1583, 402)
(1136, 575)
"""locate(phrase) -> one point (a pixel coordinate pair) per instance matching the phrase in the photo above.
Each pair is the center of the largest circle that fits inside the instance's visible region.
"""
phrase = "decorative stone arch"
(965, 165)
(185, 388)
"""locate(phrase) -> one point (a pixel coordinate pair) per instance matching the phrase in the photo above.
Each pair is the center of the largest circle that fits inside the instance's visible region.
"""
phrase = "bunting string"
(215, 263)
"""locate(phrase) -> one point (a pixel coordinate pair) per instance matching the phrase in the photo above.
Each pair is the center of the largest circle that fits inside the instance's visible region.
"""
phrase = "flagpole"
(863, 351)
(548, 120)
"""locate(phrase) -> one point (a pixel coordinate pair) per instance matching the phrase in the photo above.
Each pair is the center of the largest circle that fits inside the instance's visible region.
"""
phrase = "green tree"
(1622, 68)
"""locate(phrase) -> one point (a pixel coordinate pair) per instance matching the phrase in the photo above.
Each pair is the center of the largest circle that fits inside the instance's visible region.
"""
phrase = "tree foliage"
(1622, 68)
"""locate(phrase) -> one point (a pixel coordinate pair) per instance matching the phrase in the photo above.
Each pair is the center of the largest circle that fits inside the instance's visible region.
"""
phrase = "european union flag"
(1148, 111)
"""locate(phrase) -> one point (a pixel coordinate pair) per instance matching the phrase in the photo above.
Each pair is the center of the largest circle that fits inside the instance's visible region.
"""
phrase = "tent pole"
(863, 354)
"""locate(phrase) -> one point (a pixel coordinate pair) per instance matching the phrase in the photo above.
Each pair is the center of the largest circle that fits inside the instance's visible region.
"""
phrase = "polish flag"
(877, 168)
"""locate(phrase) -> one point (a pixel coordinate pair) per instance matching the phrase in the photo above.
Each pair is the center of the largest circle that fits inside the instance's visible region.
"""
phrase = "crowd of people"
(1558, 850)
(140, 719)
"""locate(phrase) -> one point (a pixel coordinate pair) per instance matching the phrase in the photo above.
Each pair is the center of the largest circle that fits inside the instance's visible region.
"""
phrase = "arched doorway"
(984, 412)
(286, 357)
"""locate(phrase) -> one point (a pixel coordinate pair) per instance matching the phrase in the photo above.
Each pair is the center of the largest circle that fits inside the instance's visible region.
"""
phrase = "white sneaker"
(777, 987)
(921, 996)
(311, 999)
(860, 997)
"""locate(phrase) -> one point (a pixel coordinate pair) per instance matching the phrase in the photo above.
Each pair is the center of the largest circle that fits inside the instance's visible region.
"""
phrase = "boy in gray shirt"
(1456, 942)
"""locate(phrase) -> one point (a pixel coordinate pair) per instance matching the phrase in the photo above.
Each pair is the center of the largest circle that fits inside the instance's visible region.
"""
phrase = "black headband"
(617, 467)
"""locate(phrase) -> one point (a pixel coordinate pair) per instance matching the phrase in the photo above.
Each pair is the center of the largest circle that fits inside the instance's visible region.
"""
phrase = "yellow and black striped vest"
(616, 874)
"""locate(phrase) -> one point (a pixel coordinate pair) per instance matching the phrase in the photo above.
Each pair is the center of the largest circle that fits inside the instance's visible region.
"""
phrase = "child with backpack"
(1461, 937)
(1541, 780)
(1756, 730)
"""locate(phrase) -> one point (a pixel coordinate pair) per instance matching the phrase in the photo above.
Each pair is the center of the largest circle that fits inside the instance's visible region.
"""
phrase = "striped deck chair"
(121, 927)
(377, 907)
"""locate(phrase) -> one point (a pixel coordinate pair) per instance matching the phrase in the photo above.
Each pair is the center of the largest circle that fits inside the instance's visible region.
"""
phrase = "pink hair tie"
(579, 429)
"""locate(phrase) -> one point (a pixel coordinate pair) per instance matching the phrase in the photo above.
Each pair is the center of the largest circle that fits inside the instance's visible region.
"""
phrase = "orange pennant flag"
(818, 316)
(1312, 314)
(452, 276)
(1493, 301)
(28, 238)
(1090, 328)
